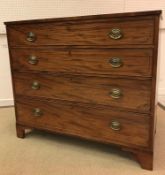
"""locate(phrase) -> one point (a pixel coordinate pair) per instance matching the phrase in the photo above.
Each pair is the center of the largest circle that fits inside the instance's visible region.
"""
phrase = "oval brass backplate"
(37, 112)
(35, 85)
(115, 125)
(116, 62)
(116, 93)
(115, 34)
(32, 60)
(31, 37)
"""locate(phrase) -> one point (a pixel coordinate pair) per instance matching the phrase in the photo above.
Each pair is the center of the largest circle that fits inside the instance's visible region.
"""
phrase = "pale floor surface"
(42, 153)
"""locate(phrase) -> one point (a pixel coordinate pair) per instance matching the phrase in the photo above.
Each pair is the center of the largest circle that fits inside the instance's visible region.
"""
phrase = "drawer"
(118, 31)
(131, 94)
(87, 121)
(132, 62)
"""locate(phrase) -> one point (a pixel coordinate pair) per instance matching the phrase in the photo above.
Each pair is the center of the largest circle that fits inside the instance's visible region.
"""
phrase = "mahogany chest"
(92, 77)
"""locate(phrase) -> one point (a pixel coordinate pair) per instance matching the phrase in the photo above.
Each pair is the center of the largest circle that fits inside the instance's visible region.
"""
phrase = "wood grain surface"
(135, 62)
(138, 30)
(135, 93)
(85, 120)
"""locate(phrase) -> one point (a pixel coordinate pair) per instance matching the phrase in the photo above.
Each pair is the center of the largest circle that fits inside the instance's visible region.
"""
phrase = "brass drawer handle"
(37, 112)
(31, 37)
(115, 34)
(33, 60)
(116, 62)
(116, 93)
(35, 85)
(115, 125)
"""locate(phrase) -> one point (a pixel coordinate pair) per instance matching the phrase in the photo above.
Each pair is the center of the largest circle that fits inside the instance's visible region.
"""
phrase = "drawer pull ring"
(33, 60)
(115, 125)
(116, 93)
(31, 37)
(35, 85)
(115, 34)
(115, 62)
(37, 112)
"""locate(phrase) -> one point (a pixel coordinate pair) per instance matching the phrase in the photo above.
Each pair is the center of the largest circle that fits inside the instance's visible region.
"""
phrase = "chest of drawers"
(92, 77)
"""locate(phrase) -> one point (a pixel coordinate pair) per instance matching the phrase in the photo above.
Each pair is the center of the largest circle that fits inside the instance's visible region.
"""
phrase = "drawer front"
(88, 121)
(119, 92)
(117, 31)
(132, 62)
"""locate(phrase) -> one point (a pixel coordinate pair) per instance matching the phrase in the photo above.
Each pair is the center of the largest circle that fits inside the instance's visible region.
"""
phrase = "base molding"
(6, 102)
(161, 101)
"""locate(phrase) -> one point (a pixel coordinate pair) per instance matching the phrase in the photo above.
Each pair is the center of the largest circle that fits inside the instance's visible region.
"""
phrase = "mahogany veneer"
(92, 77)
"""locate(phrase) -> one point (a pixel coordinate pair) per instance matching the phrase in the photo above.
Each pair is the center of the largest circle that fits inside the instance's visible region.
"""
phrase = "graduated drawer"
(88, 121)
(132, 62)
(132, 94)
(112, 31)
